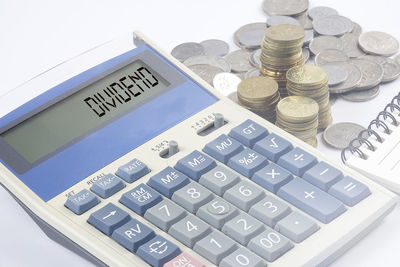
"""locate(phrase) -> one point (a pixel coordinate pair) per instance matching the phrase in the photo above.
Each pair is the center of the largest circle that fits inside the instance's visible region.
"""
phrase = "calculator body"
(182, 109)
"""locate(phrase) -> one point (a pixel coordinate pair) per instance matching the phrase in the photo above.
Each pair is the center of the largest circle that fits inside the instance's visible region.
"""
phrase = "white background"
(36, 35)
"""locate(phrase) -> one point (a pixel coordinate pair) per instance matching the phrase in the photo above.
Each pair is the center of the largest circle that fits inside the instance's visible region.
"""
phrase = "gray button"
(296, 226)
(323, 175)
(215, 246)
(242, 228)
(164, 214)
(219, 180)
(242, 257)
(269, 210)
(244, 195)
(217, 212)
(192, 196)
(270, 245)
(189, 230)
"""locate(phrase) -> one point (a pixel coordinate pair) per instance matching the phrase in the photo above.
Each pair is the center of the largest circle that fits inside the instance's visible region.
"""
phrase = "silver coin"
(304, 21)
(278, 20)
(215, 47)
(340, 135)
(351, 47)
(250, 36)
(215, 61)
(321, 43)
(391, 70)
(285, 7)
(306, 54)
(186, 50)
(321, 12)
(372, 73)
(336, 73)
(252, 73)
(330, 55)
(362, 96)
(378, 43)
(206, 72)
(352, 81)
(334, 25)
(226, 83)
(332, 99)
(308, 37)
(255, 58)
(239, 60)
(357, 30)
(397, 59)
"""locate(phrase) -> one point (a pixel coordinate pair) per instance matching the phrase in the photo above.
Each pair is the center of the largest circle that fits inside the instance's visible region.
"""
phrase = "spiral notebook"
(376, 151)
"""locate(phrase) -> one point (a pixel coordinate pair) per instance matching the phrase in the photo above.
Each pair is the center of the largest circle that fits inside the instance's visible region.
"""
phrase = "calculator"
(128, 158)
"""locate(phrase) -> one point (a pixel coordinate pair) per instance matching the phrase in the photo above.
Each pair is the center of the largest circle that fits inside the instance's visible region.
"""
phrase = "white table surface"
(36, 35)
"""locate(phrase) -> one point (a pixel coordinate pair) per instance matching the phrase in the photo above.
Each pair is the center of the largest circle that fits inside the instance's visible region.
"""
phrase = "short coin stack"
(298, 115)
(311, 81)
(281, 50)
(259, 95)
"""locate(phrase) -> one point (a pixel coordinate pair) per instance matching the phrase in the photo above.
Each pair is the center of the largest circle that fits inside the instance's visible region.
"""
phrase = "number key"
(242, 257)
(192, 196)
(215, 247)
(242, 228)
(189, 230)
(244, 195)
(219, 180)
(217, 212)
(164, 214)
(269, 210)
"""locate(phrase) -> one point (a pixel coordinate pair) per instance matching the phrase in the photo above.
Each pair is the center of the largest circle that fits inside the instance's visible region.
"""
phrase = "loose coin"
(351, 48)
(321, 12)
(372, 73)
(306, 54)
(277, 20)
(214, 47)
(322, 43)
(252, 73)
(255, 58)
(334, 25)
(309, 36)
(378, 43)
(336, 74)
(357, 30)
(397, 59)
(391, 70)
(239, 60)
(215, 61)
(186, 50)
(352, 81)
(285, 7)
(330, 55)
(206, 72)
(250, 35)
(226, 83)
(362, 96)
(304, 21)
(340, 135)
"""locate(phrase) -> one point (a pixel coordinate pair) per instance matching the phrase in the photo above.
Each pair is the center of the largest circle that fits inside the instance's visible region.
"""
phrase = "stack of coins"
(259, 95)
(281, 50)
(298, 115)
(311, 81)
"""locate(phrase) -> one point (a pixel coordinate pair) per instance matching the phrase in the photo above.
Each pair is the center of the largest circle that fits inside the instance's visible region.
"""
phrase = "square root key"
(273, 147)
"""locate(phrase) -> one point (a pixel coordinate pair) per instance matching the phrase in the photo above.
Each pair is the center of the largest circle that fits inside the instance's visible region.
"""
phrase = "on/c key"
(184, 260)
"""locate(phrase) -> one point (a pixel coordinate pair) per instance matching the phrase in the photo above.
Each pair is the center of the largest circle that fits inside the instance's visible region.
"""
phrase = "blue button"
(107, 186)
(248, 133)
(82, 201)
(132, 171)
(349, 191)
(312, 200)
(323, 175)
(141, 198)
(158, 251)
(247, 162)
(132, 235)
(168, 181)
(108, 218)
(272, 177)
(297, 161)
(223, 148)
(272, 146)
(195, 165)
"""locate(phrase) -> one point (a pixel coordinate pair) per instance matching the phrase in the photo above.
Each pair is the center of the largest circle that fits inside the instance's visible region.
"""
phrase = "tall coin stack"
(259, 95)
(281, 50)
(298, 115)
(311, 81)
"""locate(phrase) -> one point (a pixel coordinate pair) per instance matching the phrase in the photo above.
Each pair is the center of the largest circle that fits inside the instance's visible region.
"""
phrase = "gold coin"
(285, 33)
(257, 88)
(298, 108)
(307, 75)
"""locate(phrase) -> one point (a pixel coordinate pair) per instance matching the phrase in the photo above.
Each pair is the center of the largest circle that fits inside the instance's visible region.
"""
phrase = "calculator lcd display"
(87, 109)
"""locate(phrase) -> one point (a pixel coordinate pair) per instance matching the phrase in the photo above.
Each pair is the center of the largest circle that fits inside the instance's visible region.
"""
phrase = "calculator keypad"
(234, 213)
